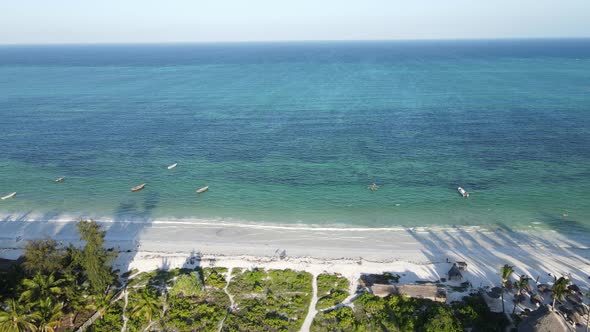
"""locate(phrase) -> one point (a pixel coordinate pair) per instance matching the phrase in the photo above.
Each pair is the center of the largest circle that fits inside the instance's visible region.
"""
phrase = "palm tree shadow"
(130, 220)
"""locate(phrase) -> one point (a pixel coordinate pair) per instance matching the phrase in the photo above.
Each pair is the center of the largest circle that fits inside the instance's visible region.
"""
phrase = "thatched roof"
(577, 318)
(462, 266)
(537, 299)
(581, 309)
(572, 314)
(545, 319)
(455, 273)
(382, 290)
(424, 291)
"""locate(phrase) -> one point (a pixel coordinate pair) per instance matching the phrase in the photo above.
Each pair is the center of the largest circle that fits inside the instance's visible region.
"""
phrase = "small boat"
(61, 179)
(373, 187)
(463, 192)
(172, 166)
(8, 196)
(138, 188)
(202, 190)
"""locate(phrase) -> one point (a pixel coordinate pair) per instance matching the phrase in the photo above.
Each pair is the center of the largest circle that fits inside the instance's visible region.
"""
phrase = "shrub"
(187, 285)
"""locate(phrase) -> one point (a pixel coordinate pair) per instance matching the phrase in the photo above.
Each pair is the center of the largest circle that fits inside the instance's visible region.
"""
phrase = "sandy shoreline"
(418, 254)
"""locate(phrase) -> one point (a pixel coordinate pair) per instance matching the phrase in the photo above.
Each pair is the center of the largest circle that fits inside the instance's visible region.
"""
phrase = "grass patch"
(332, 289)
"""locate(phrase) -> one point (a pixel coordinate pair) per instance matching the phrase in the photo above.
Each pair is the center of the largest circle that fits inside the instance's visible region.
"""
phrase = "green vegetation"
(332, 289)
(93, 258)
(214, 277)
(56, 288)
(187, 285)
(398, 313)
(175, 300)
(505, 273)
(275, 300)
(559, 289)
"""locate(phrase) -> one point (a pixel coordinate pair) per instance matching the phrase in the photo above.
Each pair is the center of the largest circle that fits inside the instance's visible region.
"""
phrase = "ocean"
(293, 133)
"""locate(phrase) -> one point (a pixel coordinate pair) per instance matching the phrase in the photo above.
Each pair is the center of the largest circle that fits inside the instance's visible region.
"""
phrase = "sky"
(145, 21)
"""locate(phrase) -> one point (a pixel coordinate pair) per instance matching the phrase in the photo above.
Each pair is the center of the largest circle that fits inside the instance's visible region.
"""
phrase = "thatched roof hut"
(537, 299)
(454, 273)
(577, 318)
(545, 319)
(572, 315)
(382, 290)
(581, 309)
(462, 266)
(422, 291)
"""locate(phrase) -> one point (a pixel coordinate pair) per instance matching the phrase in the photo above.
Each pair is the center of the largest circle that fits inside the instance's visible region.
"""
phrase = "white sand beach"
(416, 254)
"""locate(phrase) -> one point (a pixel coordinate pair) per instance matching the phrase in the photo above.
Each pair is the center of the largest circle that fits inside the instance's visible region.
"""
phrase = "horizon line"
(294, 41)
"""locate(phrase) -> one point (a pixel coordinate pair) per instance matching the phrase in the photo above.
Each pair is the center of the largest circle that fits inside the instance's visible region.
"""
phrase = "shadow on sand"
(123, 232)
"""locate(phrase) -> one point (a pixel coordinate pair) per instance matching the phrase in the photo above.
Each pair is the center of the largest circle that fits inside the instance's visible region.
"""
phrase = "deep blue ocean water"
(294, 132)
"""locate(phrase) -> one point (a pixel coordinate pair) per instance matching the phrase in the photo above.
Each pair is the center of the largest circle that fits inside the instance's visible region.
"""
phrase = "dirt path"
(314, 300)
(231, 300)
(125, 319)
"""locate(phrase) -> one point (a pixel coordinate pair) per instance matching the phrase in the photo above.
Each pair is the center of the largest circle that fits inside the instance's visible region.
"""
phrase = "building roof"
(536, 298)
(455, 272)
(426, 291)
(545, 319)
(462, 265)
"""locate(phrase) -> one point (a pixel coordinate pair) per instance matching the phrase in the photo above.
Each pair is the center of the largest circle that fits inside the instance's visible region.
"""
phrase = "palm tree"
(559, 289)
(49, 315)
(522, 284)
(146, 306)
(506, 271)
(17, 319)
(40, 287)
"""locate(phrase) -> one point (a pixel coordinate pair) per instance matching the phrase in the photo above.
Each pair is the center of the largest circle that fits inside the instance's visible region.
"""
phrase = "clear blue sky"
(95, 21)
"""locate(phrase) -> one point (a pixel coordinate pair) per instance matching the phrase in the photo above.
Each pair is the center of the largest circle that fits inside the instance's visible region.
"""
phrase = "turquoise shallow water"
(294, 132)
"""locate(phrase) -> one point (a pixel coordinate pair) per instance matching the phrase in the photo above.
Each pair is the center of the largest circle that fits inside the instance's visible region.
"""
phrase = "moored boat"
(11, 195)
(202, 190)
(60, 179)
(172, 166)
(463, 192)
(138, 188)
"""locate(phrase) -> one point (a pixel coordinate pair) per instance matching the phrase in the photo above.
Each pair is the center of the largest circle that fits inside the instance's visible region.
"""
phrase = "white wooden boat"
(172, 166)
(61, 179)
(373, 187)
(8, 196)
(463, 192)
(202, 190)
(138, 188)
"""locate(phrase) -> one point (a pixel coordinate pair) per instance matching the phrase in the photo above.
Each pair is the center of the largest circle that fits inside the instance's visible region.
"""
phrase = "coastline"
(417, 253)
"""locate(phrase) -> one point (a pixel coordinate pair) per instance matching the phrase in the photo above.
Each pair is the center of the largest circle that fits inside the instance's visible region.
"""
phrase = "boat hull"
(138, 188)
(202, 190)
(8, 196)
